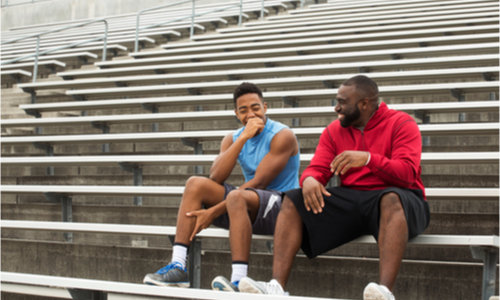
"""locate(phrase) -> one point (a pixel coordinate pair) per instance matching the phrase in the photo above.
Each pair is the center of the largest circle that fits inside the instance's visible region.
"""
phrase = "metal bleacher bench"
(482, 247)
(17, 75)
(329, 81)
(150, 80)
(289, 56)
(51, 65)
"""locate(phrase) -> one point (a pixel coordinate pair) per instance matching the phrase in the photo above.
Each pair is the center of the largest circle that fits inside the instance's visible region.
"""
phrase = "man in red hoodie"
(376, 152)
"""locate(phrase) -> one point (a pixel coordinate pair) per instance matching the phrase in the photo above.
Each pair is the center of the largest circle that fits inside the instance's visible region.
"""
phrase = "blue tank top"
(257, 147)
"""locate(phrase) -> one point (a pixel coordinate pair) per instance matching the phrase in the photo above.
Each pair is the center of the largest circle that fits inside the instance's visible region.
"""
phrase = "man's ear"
(365, 103)
(264, 105)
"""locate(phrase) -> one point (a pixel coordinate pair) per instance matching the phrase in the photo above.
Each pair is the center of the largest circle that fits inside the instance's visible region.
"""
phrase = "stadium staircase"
(109, 144)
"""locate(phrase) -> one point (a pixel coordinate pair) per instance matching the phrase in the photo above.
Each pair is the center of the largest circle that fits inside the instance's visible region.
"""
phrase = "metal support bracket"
(83, 59)
(16, 77)
(363, 69)
(329, 84)
(446, 33)
(269, 65)
(171, 238)
(270, 246)
(51, 69)
(192, 91)
(105, 129)
(232, 77)
(67, 210)
(395, 56)
(457, 94)
(137, 170)
(227, 50)
(78, 294)
(120, 84)
(194, 263)
(153, 109)
(301, 52)
(331, 42)
(198, 150)
(49, 151)
(293, 103)
(78, 97)
(194, 60)
(33, 112)
(167, 37)
(423, 44)
(215, 24)
(489, 256)
(158, 71)
(488, 76)
(426, 119)
(67, 78)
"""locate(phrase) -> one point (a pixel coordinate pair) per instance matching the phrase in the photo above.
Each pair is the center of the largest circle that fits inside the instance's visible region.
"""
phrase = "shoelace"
(170, 266)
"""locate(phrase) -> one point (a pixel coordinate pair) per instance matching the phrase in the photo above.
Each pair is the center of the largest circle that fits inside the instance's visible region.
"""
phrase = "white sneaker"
(375, 291)
(248, 285)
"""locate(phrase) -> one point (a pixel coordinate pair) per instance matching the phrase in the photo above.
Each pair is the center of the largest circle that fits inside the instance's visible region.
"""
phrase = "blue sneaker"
(172, 274)
(220, 283)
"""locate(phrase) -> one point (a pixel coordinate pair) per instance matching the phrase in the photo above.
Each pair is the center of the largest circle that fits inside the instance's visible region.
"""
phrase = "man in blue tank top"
(268, 153)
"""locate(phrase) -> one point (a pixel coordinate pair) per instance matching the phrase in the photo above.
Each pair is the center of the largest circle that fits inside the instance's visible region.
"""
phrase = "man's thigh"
(269, 208)
(339, 223)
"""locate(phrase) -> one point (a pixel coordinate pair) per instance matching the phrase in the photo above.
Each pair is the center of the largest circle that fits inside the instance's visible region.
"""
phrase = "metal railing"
(192, 16)
(38, 35)
(6, 2)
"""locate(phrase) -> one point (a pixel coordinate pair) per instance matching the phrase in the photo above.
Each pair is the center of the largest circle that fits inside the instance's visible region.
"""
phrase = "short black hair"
(364, 84)
(246, 88)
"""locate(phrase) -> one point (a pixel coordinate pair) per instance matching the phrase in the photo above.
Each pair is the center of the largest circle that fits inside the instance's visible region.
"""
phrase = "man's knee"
(391, 203)
(235, 200)
(287, 206)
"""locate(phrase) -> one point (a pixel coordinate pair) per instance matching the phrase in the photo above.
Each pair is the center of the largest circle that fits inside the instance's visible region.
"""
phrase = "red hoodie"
(395, 145)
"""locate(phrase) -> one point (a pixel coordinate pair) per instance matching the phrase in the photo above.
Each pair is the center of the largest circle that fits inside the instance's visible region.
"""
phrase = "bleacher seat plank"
(148, 81)
(372, 14)
(142, 160)
(16, 74)
(472, 194)
(131, 288)
(186, 69)
(297, 82)
(339, 45)
(62, 57)
(312, 132)
(28, 66)
(95, 49)
(363, 25)
(222, 59)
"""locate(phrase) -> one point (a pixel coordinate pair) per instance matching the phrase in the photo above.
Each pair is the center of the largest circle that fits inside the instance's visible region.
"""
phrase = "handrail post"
(302, 4)
(105, 40)
(35, 68)
(192, 22)
(136, 44)
(262, 11)
(241, 13)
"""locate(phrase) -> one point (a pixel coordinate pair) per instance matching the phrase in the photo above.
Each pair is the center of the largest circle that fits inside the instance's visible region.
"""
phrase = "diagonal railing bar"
(38, 35)
(192, 16)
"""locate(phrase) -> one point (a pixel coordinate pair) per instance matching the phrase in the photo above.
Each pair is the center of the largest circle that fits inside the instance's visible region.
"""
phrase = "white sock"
(239, 271)
(179, 254)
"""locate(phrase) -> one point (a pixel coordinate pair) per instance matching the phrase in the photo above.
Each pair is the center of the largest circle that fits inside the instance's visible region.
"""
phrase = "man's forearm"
(224, 163)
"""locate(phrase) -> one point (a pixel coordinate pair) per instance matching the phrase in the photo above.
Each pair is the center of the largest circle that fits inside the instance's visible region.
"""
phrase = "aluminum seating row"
(256, 72)
(114, 49)
(205, 159)
(438, 27)
(245, 59)
(375, 14)
(455, 89)
(328, 81)
(217, 135)
(260, 73)
(355, 25)
(321, 45)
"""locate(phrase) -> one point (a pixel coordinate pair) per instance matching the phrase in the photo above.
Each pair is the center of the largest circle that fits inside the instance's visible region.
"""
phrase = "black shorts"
(349, 214)
(269, 208)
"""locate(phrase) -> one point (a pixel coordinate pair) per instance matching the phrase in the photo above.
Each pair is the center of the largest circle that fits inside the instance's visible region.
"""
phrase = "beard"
(349, 118)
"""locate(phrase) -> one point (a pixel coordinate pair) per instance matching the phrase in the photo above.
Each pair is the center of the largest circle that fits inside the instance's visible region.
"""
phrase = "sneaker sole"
(150, 281)
(220, 283)
(248, 287)
(372, 293)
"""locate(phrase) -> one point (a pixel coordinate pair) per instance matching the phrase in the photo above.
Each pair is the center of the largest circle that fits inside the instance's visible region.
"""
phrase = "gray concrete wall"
(67, 10)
